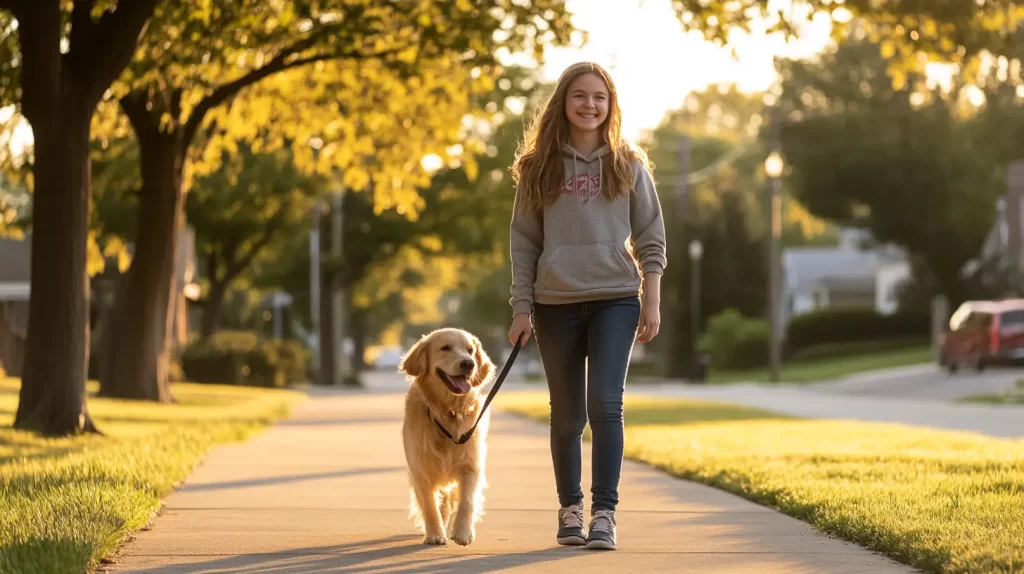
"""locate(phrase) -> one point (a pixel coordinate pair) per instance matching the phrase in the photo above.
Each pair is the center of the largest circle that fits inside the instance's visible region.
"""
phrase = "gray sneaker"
(570, 525)
(601, 534)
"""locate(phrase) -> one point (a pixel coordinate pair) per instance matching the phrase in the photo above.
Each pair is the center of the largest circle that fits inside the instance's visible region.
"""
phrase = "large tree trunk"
(53, 393)
(59, 93)
(140, 345)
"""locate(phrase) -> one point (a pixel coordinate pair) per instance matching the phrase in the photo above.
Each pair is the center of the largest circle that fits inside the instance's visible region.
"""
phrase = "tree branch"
(276, 65)
(134, 107)
(236, 267)
(115, 38)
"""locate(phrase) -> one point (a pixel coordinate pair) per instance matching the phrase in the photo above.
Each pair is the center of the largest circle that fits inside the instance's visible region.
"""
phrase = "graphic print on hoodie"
(584, 247)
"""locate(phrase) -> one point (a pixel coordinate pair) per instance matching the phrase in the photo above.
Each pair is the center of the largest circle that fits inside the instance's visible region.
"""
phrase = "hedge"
(735, 341)
(832, 326)
(240, 357)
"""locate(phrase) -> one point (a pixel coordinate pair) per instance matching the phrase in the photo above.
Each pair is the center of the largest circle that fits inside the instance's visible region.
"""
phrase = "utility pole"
(1014, 191)
(314, 290)
(675, 328)
(337, 290)
(773, 167)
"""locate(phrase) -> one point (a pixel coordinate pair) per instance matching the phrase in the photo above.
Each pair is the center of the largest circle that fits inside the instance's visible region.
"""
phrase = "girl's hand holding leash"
(522, 326)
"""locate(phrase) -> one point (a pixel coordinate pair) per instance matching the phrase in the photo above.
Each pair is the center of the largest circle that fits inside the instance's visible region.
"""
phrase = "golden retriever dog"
(446, 370)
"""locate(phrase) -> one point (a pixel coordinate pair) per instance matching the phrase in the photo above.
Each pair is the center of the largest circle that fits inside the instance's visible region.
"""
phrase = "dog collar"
(461, 440)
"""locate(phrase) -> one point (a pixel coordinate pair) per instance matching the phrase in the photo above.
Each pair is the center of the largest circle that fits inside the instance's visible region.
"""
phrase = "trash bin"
(701, 366)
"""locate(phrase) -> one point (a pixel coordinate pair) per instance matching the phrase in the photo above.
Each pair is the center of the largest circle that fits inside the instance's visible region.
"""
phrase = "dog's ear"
(414, 363)
(484, 366)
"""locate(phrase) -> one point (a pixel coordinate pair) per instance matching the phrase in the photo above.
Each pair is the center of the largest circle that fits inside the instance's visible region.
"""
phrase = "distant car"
(982, 333)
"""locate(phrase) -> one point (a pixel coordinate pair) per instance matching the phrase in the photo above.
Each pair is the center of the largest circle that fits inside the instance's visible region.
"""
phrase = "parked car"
(982, 333)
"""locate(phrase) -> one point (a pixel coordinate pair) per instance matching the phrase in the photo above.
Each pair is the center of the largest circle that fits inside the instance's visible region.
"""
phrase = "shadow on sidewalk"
(288, 479)
(395, 554)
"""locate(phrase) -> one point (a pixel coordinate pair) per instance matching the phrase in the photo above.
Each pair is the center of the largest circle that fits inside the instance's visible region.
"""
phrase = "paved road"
(1004, 421)
(923, 382)
(326, 491)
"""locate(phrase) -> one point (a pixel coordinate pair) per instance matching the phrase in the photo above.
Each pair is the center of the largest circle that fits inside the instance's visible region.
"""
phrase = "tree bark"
(53, 392)
(140, 346)
(213, 308)
(60, 92)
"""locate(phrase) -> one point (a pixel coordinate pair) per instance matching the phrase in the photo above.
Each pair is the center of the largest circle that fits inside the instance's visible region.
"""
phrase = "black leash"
(490, 396)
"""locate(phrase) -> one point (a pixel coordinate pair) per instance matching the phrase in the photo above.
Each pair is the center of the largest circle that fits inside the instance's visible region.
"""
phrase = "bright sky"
(655, 64)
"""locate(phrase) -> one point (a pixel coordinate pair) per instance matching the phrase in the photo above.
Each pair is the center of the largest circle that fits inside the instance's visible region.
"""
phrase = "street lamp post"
(773, 166)
(696, 252)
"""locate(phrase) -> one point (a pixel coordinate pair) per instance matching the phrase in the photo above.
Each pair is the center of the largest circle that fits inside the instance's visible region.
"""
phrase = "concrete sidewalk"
(326, 491)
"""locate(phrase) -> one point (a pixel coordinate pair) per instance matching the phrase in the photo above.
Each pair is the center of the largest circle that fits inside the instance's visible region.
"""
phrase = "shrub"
(735, 341)
(830, 326)
(239, 357)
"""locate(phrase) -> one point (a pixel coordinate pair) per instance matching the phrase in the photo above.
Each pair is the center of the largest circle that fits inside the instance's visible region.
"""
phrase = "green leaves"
(913, 33)
(923, 177)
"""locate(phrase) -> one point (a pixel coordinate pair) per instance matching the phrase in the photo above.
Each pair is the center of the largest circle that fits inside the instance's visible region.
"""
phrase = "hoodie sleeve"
(648, 225)
(525, 246)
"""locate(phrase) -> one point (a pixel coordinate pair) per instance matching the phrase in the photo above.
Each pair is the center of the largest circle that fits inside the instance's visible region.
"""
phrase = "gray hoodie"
(584, 247)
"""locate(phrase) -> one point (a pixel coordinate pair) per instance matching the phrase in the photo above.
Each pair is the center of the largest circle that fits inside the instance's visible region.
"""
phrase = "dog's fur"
(446, 479)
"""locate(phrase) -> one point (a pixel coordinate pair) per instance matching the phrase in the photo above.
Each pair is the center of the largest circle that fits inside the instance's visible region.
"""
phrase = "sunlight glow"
(432, 162)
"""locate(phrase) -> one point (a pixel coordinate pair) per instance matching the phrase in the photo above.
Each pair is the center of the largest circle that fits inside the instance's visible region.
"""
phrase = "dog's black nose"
(466, 365)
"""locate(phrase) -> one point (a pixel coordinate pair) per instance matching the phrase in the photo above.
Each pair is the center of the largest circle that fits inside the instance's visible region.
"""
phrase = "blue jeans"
(585, 348)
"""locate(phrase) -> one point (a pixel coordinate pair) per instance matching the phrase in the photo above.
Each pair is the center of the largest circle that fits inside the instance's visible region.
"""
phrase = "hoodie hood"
(583, 181)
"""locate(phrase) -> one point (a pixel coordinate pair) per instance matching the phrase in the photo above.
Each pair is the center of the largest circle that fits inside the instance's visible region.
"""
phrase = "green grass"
(811, 370)
(1014, 396)
(938, 500)
(65, 504)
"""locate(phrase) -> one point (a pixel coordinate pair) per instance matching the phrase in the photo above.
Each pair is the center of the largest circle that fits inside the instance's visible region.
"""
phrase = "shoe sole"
(600, 545)
(572, 541)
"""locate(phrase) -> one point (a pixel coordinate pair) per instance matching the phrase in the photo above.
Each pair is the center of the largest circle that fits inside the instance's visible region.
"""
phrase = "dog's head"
(452, 359)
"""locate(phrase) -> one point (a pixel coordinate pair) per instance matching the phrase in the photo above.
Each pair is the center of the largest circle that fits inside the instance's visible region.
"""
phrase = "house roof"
(15, 260)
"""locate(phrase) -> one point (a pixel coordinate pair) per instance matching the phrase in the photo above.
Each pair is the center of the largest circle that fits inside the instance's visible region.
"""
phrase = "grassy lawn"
(67, 503)
(824, 368)
(938, 500)
(1013, 396)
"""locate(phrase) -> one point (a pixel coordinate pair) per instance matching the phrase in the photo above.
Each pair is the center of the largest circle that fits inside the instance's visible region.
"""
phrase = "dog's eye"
(446, 348)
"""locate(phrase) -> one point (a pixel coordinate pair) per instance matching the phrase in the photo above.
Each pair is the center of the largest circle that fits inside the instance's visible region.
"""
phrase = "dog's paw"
(435, 540)
(463, 536)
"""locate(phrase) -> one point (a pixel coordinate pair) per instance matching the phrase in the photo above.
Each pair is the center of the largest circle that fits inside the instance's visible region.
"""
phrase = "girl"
(585, 216)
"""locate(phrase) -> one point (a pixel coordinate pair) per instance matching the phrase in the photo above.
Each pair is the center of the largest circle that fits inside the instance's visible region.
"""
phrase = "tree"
(911, 34)
(243, 214)
(380, 84)
(904, 164)
(57, 78)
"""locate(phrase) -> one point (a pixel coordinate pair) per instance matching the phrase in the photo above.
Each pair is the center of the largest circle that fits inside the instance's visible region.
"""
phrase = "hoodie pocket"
(587, 268)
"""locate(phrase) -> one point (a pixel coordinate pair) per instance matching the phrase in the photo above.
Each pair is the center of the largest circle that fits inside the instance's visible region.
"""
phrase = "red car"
(983, 333)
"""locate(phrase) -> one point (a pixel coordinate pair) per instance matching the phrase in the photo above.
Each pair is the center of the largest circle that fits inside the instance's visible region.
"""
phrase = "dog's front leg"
(465, 518)
(433, 530)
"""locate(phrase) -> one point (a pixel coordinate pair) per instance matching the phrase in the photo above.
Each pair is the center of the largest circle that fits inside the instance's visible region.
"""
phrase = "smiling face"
(451, 359)
(586, 102)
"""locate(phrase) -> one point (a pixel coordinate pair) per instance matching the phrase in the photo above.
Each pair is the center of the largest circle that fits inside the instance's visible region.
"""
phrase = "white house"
(846, 275)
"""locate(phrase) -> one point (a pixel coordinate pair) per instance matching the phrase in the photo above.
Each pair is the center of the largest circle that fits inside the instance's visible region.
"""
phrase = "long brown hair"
(538, 169)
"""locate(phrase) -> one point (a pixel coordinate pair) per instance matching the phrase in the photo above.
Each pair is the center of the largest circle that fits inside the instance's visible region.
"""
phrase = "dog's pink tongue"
(460, 383)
